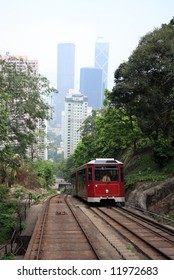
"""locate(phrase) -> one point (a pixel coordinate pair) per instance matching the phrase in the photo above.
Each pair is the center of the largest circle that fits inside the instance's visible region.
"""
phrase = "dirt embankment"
(154, 196)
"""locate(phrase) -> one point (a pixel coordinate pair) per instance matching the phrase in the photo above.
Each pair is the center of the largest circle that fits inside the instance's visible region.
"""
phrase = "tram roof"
(104, 161)
(100, 161)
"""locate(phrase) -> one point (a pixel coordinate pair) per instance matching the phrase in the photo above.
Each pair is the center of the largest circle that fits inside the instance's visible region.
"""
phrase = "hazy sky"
(35, 27)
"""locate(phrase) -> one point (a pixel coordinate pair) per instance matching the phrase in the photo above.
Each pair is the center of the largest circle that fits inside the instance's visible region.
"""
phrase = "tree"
(66, 167)
(115, 131)
(22, 105)
(46, 170)
(144, 85)
(87, 149)
(105, 134)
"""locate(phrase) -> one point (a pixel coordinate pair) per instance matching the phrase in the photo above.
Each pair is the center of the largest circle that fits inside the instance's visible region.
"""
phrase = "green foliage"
(105, 134)
(144, 89)
(66, 167)
(144, 84)
(19, 192)
(45, 170)
(9, 257)
(7, 222)
(54, 142)
(22, 106)
(145, 169)
(39, 197)
(4, 190)
(9, 206)
(35, 174)
(162, 151)
(132, 180)
(9, 165)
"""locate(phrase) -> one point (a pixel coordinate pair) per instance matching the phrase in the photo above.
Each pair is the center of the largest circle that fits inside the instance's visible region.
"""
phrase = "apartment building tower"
(76, 111)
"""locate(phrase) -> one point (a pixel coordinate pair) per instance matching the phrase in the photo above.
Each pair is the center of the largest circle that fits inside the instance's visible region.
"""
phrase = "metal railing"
(154, 215)
(8, 248)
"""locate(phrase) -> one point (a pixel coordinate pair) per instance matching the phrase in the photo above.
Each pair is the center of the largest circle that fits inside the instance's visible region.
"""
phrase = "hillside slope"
(149, 186)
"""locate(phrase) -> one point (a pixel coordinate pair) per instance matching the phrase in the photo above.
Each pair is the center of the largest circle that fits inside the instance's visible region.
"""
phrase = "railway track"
(154, 240)
(70, 229)
(59, 234)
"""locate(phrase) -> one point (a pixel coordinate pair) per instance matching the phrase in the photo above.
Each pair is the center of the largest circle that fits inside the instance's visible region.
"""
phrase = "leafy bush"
(4, 190)
(132, 180)
(145, 170)
(45, 171)
(8, 257)
(162, 151)
(7, 221)
(19, 192)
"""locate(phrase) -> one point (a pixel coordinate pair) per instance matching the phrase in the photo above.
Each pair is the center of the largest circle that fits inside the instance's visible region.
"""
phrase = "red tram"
(100, 180)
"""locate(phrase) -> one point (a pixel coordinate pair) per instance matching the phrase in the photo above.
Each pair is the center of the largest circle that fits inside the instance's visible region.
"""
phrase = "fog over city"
(35, 27)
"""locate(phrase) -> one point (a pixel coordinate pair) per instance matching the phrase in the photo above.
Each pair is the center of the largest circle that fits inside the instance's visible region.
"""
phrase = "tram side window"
(114, 173)
(98, 176)
(81, 175)
(73, 178)
(89, 174)
(121, 174)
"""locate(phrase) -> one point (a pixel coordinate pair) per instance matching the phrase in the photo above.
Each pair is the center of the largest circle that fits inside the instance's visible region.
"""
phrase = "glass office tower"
(91, 86)
(101, 60)
(65, 76)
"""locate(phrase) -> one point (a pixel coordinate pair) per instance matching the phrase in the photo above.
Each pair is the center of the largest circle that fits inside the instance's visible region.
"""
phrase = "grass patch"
(39, 197)
(9, 257)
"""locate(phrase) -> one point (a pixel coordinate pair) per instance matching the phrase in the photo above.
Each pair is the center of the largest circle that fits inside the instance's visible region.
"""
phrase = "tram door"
(90, 182)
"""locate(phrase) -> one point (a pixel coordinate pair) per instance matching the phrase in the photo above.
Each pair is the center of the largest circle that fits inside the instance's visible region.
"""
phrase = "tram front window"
(106, 174)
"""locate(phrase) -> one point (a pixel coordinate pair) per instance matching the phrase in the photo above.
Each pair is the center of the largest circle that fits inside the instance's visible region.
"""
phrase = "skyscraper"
(65, 76)
(76, 110)
(91, 86)
(101, 60)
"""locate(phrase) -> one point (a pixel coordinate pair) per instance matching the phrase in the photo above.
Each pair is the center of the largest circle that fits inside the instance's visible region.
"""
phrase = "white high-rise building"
(76, 111)
(20, 61)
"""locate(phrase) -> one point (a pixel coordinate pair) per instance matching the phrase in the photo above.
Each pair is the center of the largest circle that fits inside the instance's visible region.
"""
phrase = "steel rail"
(164, 218)
(136, 234)
(80, 225)
(43, 225)
(149, 222)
